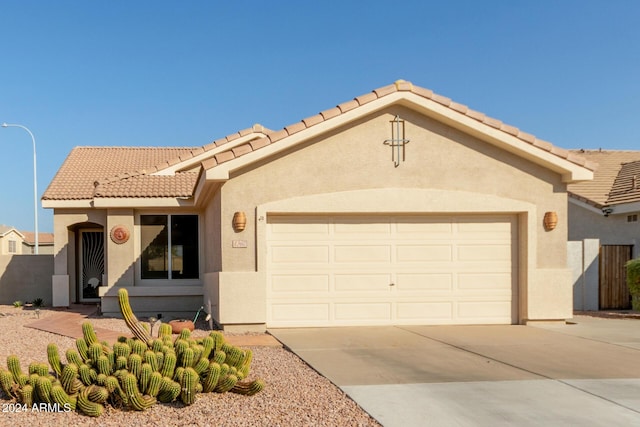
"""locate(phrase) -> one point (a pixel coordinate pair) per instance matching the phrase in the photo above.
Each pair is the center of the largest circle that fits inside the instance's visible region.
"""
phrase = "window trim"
(139, 281)
(12, 244)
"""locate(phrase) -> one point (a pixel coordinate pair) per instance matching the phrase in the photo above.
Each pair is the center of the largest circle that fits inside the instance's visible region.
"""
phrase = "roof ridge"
(194, 151)
(397, 86)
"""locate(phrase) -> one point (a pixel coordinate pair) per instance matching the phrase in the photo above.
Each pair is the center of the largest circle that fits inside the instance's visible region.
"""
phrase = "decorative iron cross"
(397, 141)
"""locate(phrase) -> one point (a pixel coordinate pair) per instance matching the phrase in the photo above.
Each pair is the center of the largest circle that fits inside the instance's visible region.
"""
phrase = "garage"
(367, 269)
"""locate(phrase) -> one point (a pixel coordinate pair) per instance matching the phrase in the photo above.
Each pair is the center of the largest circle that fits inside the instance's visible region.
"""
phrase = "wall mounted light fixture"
(239, 221)
(550, 220)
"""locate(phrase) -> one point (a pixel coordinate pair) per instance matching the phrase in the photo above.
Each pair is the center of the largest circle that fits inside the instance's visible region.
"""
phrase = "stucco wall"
(25, 278)
(611, 230)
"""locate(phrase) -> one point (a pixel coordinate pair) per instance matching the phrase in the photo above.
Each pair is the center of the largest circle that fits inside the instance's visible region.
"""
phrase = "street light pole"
(35, 179)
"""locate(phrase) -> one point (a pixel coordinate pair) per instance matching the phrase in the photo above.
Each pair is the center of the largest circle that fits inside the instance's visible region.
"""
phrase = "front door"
(91, 264)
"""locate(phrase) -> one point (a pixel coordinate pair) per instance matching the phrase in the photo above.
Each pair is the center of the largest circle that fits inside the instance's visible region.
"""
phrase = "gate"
(614, 293)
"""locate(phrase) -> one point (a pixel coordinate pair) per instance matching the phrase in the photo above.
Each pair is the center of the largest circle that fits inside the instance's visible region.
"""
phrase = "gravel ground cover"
(295, 395)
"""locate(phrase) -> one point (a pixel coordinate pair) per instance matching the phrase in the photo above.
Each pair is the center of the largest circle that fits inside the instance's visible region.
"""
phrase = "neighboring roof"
(612, 178)
(124, 172)
(43, 238)
(5, 229)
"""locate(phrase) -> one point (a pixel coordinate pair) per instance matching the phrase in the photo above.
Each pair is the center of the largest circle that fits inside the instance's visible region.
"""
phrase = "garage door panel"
(363, 311)
(283, 229)
(479, 310)
(483, 252)
(419, 227)
(501, 282)
(362, 253)
(424, 282)
(296, 283)
(300, 254)
(362, 282)
(425, 312)
(352, 227)
(423, 253)
(300, 313)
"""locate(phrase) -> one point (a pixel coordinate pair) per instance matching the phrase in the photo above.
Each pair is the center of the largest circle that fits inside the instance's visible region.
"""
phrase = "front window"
(169, 246)
(12, 247)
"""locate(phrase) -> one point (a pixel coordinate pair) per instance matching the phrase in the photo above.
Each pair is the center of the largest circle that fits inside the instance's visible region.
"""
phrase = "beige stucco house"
(15, 242)
(604, 229)
(397, 207)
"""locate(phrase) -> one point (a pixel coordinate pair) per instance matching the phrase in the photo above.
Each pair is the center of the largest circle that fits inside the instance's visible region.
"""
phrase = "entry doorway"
(90, 264)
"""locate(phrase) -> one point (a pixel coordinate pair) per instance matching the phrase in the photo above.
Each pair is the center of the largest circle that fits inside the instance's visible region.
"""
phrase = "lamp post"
(35, 179)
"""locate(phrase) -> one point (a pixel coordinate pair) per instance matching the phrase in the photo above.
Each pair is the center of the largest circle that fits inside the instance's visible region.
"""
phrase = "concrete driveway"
(585, 374)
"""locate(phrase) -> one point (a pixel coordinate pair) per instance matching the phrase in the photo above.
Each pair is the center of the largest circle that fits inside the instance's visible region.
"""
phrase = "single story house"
(604, 231)
(399, 206)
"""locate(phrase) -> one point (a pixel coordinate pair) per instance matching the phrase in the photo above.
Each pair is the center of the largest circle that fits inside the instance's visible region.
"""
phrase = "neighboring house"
(45, 243)
(14, 242)
(397, 207)
(604, 229)
(10, 240)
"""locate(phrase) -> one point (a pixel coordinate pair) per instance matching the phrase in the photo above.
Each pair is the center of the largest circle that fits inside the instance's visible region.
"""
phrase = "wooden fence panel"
(614, 293)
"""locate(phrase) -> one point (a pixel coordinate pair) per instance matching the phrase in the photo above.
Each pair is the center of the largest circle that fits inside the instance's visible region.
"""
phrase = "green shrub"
(633, 282)
(38, 302)
(18, 304)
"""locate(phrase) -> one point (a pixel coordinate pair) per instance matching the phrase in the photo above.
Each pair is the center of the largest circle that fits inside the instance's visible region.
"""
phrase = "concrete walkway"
(586, 374)
(69, 323)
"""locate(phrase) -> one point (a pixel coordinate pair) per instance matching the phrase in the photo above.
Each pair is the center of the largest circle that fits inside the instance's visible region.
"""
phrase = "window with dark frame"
(169, 247)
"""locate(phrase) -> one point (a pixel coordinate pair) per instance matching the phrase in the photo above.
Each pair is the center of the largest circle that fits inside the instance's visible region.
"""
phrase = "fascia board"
(585, 205)
(625, 208)
(195, 161)
(142, 202)
(52, 204)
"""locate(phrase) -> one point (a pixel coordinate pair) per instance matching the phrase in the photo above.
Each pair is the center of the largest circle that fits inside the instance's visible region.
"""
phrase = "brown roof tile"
(385, 90)
(178, 185)
(330, 113)
(609, 179)
(296, 127)
(366, 98)
(85, 165)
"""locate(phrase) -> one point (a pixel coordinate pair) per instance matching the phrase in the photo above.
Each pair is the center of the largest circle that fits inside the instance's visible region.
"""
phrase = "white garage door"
(384, 270)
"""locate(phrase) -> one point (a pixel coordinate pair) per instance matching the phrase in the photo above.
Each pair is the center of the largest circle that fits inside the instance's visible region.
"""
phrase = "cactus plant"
(130, 319)
(53, 355)
(188, 384)
(133, 372)
(88, 407)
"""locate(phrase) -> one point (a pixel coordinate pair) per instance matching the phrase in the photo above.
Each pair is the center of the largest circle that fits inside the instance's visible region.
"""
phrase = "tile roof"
(606, 187)
(43, 238)
(86, 165)
(90, 172)
(94, 171)
(178, 185)
(626, 187)
(398, 86)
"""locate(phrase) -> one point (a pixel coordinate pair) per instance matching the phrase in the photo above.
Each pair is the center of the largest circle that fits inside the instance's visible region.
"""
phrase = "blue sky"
(169, 73)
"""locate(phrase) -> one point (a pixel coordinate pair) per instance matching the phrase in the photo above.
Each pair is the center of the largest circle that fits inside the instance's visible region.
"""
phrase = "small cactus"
(188, 384)
(53, 355)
